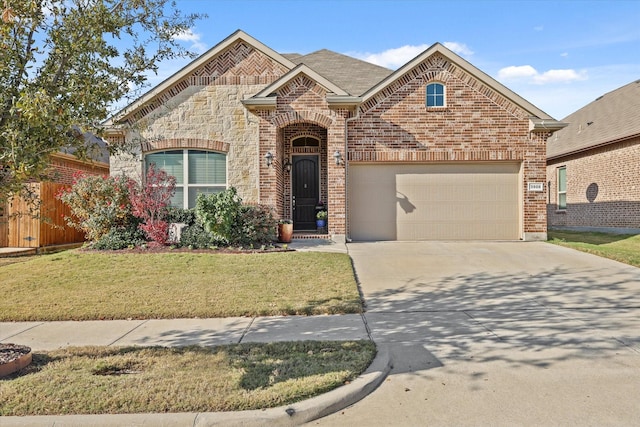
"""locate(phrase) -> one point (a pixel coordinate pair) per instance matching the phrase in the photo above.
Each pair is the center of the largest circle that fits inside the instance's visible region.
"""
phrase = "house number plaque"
(535, 186)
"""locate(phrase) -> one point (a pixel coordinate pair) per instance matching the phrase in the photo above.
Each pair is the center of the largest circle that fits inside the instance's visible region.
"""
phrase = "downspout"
(346, 173)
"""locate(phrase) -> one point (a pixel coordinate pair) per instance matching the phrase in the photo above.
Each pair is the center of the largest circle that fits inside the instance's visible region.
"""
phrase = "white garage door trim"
(469, 201)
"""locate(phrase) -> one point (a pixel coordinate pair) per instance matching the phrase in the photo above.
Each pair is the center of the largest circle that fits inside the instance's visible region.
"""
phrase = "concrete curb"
(290, 415)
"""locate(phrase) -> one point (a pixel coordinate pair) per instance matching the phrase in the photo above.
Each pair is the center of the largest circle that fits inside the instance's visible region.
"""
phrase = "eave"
(592, 147)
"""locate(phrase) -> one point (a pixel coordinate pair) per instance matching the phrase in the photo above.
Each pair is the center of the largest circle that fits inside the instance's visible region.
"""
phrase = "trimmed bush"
(117, 239)
(232, 223)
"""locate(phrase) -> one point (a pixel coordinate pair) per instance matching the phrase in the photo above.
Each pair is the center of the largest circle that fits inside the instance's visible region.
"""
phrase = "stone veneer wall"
(204, 111)
(603, 189)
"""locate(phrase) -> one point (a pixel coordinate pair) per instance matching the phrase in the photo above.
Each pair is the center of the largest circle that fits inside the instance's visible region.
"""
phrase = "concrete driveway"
(500, 334)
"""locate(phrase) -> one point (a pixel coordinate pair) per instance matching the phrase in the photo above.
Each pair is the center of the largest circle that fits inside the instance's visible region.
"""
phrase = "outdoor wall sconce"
(338, 158)
(269, 158)
(287, 166)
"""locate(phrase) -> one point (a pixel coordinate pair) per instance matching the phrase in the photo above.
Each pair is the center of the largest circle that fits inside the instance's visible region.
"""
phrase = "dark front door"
(305, 182)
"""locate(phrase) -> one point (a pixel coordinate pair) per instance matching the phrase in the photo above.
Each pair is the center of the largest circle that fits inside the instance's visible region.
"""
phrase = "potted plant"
(321, 219)
(285, 230)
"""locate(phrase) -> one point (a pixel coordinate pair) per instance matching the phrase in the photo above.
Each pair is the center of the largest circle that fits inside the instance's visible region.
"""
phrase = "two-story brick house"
(434, 150)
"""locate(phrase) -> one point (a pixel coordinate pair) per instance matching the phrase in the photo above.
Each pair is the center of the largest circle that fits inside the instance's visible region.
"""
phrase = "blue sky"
(559, 55)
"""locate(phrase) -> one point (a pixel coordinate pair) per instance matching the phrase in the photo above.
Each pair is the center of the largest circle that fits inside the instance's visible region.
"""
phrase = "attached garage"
(478, 201)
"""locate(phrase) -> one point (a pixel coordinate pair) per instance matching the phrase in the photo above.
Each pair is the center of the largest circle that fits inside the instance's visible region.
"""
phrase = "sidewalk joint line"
(23, 331)
(246, 330)
(366, 326)
(127, 333)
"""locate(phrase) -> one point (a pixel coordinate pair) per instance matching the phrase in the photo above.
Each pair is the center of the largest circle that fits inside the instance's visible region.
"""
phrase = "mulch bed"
(151, 249)
(10, 352)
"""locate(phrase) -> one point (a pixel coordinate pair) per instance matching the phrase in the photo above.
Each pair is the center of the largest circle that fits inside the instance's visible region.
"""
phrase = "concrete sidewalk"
(41, 336)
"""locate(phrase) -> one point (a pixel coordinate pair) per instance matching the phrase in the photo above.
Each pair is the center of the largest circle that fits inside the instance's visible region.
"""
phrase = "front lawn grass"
(85, 285)
(108, 380)
(620, 247)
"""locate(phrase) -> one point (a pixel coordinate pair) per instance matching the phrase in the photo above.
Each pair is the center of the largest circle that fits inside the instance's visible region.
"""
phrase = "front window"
(195, 171)
(562, 188)
(435, 95)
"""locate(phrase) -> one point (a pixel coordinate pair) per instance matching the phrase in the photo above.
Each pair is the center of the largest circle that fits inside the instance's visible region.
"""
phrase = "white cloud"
(392, 58)
(539, 28)
(459, 48)
(193, 38)
(564, 54)
(397, 57)
(531, 75)
(559, 76)
(514, 72)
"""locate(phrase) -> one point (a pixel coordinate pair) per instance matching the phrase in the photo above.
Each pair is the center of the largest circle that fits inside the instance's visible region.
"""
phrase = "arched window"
(196, 171)
(305, 141)
(435, 96)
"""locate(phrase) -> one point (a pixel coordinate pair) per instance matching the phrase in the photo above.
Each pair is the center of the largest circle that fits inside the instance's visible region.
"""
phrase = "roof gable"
(199, 72)
(612, 117)
(335, 95)
(440, 55)
(311, 74)
(353, 75)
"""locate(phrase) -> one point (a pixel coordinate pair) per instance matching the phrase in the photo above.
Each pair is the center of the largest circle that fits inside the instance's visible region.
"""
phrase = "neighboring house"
(593, 165)
(434, 150)
(24, 224)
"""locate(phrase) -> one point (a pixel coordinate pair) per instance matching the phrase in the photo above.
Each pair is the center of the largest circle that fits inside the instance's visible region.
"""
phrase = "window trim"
(561, 191)
(185, 186)
(436, 96)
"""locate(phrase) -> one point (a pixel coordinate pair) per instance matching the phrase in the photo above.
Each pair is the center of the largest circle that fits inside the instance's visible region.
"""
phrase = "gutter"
(551, 125)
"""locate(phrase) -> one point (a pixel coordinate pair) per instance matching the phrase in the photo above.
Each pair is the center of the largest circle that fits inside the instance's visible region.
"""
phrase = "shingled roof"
(612, 117)
(351, 74)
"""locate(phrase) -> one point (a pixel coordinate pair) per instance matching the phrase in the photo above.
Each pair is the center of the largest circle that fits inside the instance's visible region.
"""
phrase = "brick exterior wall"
(602, 187)
(63, 167)
(204, 110)
(301, 109)
(476, 125)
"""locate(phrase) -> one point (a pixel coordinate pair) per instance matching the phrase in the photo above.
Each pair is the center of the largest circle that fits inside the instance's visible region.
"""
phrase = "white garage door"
(435, 202)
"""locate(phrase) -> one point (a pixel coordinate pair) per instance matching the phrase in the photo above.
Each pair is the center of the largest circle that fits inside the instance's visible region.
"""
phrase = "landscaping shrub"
(259, 225)
(122, 238)
(98, 204)
(149, 202)
(179, 215)
(196, 237)
(232, 223)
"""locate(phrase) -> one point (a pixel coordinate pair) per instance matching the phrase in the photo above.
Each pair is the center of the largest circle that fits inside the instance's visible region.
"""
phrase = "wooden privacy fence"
(24, 228)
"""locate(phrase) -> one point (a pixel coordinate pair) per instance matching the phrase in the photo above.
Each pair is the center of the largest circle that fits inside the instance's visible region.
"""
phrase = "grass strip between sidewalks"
(111, 380)
(84, 285)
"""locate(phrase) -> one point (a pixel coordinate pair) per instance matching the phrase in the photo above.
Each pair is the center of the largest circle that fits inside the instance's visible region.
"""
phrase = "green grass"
(107, 380)
(84, 285)
(620, 247)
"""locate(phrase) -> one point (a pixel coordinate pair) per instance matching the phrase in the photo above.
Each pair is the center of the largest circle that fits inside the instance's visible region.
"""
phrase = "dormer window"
(435, 95)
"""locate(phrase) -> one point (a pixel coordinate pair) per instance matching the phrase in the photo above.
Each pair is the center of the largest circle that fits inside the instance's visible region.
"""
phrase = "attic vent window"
(435, 95)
